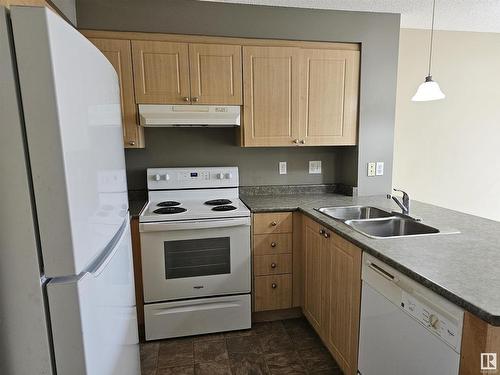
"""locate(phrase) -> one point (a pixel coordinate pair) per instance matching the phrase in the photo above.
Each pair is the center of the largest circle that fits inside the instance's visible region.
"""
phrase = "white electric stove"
(195, 245)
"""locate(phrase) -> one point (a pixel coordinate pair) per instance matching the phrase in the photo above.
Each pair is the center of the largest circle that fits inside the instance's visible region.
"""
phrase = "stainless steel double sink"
(377, 223)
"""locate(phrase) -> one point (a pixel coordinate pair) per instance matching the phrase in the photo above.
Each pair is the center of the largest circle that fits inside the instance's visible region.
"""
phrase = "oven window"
(201, 257)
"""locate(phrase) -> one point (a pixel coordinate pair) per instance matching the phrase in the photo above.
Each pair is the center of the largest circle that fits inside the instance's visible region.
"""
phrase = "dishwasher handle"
(381, 271)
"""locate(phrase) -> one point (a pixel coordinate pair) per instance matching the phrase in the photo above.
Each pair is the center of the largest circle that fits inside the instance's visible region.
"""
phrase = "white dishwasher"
(405, 328)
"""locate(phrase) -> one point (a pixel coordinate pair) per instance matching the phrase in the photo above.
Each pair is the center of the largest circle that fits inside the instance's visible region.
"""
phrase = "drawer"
(268, 244)
(272, 264)
(273, 292)
(272, 222)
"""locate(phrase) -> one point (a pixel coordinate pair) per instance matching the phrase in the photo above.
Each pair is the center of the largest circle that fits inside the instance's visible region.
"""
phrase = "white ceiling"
(463, 15)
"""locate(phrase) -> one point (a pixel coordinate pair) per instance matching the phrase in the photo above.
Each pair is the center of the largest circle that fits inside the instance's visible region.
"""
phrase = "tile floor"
(283, 347)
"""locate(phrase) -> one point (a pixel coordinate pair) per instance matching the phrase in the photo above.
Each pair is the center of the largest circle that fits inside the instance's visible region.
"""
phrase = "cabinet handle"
(186, 98)
(274, 223)
(195, 99)
(296, 141)
(321, 231)
(131, 143)
(326, 234)
(273, 244)
(273, 265)
(274, 285)
(302, 142)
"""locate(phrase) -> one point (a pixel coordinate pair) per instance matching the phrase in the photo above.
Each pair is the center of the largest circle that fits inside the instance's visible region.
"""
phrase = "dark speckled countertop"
(135, 207)
(464, 267)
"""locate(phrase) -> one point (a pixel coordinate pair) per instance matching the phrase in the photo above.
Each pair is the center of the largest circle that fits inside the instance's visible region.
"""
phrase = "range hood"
(159, 115)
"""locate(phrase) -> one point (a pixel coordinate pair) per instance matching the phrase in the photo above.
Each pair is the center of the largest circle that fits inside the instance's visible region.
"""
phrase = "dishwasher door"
(393, 343)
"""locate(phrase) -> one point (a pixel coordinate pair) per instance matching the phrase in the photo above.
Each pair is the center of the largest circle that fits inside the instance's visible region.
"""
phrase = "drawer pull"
(274, 285)
(274, 223)
(273, 265)
(273, 244)
(321, 231)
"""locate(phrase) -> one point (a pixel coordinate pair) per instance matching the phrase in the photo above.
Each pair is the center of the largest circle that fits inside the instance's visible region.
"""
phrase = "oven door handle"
(193, 224)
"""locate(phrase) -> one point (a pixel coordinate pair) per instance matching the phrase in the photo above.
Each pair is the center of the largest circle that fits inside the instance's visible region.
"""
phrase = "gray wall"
(68, 8)
(185, 147)
(377, 32)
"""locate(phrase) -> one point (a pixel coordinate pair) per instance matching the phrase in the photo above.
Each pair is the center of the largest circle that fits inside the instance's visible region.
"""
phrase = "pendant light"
(429, 90)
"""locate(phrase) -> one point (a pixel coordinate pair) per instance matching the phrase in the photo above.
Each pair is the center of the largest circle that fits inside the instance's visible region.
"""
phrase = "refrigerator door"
(94, 321)
(71, 103)
(24, 332)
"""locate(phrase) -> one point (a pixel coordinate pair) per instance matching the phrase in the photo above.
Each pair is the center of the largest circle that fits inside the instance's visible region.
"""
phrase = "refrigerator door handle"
(102, 261)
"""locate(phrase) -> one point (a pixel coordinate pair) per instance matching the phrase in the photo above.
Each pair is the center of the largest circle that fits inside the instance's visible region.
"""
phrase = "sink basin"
(354, 212)
(391, 227)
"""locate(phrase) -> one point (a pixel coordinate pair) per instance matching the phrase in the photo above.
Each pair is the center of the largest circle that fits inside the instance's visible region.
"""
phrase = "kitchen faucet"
(405, 205)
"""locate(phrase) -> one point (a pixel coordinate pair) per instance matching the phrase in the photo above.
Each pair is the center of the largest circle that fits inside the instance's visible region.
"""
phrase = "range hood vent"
(159, 115)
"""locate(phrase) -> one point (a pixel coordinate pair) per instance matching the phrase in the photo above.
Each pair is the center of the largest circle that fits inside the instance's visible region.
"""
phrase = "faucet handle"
(405, 194)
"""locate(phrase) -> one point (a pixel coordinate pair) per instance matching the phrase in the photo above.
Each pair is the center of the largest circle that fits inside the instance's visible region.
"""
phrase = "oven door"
(195, 258)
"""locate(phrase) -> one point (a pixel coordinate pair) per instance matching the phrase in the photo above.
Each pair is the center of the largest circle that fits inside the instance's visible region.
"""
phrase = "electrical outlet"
(379, 169)
(315, 167)
(282, 167)
(371, 169)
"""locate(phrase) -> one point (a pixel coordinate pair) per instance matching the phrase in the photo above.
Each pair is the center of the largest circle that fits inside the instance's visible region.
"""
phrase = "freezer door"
(71, 104)
(93, 316)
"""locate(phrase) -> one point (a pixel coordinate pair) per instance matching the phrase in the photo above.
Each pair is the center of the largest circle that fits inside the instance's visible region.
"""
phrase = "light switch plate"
(371, 169)
(282, 167)
(379, 169)
(315, 167)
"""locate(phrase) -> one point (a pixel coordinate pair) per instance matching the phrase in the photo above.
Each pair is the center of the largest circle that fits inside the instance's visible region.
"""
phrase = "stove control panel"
(192, 178)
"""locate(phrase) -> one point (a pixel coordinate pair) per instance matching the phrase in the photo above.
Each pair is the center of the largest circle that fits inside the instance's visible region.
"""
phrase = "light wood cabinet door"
(342, 296)
(313, 253)
(271, 96)
(216, 74)
(161, 72)
(119, 54)
(329, 101)
(273, 292)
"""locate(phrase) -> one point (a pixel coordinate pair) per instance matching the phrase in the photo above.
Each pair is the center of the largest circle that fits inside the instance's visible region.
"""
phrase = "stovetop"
(193, 193)
(192, 209)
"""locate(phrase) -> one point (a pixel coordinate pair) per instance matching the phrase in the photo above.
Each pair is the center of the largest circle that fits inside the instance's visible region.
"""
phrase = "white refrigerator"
(67, 303)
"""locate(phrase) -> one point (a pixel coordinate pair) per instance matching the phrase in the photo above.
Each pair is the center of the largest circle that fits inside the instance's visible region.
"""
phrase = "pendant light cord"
(432, 35)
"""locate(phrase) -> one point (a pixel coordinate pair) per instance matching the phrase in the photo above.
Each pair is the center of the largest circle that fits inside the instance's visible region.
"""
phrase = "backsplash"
(203, 147)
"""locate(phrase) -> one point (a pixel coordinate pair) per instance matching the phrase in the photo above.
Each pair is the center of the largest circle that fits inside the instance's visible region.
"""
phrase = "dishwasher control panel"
(435, 321)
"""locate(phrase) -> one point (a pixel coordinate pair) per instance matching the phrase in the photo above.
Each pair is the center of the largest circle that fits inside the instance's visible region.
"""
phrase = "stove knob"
(157, 177)
(167, 177)
(220, 176)
(229, 176)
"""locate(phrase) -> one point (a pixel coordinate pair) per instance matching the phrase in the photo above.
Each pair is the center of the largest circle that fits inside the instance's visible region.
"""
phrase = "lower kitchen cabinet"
(272, 255)
(342, 296)
(478, 338)
(273, 292)
(313, 252)
(332, 291)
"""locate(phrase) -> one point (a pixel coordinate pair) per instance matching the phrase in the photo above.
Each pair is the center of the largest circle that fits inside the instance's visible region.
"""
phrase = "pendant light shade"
(429, 90)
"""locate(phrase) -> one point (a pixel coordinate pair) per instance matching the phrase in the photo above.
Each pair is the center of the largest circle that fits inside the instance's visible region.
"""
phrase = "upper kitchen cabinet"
(300, 96)
(271, 96)
(161, 72)
(119, 54)
(329, 114)
(186, 73)
(215, 72)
